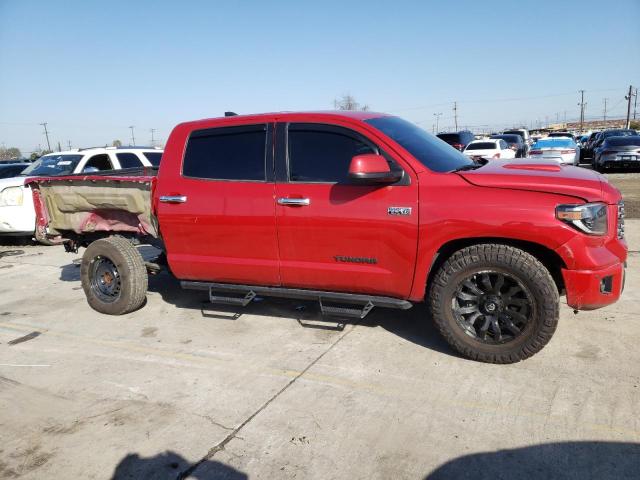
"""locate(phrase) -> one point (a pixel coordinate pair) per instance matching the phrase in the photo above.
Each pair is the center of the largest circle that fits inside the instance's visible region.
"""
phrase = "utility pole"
(153, 142)
(133, 138)
(69, 144)
(635, 104)
(455, 114)
(437, 115)
(582, 105)
(46, 133)
(59, 146)
(604, 112)
(628, 98)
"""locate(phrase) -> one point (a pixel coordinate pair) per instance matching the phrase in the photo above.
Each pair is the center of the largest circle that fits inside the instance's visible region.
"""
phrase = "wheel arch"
(550, 259)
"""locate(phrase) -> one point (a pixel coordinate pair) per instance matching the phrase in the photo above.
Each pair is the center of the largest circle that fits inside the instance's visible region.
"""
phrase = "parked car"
(8, 170)
(489, 149)
(562, 150)
(17, 216)
(523, 132)
(458, 140)
(586, 150)
(357, 210)
(515, 142)
(617, 152)
(618, 132)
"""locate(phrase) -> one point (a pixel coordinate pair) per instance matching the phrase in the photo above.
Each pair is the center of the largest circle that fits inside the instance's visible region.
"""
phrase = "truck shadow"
(560, 460)
(413, 325)
(170, 465)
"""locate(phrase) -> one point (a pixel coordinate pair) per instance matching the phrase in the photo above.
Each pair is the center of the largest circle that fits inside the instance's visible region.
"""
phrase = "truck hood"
(540, 176)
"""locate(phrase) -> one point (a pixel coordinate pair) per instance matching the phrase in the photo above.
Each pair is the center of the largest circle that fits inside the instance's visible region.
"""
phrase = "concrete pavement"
(176, 390)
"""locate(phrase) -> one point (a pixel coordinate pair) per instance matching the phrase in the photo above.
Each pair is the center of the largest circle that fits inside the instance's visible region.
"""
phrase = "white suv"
(17, 215)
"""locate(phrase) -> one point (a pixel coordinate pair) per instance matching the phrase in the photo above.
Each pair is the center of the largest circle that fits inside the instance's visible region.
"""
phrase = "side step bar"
(364, 302)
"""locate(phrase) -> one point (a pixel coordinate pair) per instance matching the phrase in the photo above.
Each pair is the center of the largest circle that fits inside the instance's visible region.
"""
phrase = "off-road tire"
(131, 271)
(512, 261)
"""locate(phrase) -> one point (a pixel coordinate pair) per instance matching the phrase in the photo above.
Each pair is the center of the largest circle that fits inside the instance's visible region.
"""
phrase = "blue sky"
(91, 69)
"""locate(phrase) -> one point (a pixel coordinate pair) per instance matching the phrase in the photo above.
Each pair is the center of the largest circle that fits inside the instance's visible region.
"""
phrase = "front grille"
(621, 219)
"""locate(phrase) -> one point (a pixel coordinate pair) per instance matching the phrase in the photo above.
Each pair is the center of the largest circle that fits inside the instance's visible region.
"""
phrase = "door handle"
(173, 198)
(295, 202)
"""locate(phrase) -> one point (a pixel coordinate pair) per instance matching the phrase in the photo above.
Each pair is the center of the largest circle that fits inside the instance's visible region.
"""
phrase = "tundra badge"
(399, 210)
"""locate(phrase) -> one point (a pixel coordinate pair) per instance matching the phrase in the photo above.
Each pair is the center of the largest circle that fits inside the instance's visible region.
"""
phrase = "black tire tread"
(134, 287)
(507, 256)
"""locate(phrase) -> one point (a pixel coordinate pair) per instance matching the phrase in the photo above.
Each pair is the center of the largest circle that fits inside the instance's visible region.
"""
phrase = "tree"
(116, 143)
(348, 102)
(11, 153)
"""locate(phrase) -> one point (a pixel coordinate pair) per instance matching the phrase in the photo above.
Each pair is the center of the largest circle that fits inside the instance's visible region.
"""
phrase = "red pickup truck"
(356, 210)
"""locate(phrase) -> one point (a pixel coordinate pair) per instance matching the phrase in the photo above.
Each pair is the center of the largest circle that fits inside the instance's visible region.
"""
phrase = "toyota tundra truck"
(356, 210)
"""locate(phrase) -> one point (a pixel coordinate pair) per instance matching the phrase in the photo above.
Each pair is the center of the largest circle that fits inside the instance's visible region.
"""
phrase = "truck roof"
(273, 116)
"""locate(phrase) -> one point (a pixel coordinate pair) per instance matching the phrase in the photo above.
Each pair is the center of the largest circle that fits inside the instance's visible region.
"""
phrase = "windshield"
(619, 133)
(432, 152)
(52, 165)
(622, 141)
(515, 132)
(482, 146)
(554, 143)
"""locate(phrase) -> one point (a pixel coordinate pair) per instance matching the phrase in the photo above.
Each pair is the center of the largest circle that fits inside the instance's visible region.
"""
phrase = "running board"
(341, 311)
(365, 301)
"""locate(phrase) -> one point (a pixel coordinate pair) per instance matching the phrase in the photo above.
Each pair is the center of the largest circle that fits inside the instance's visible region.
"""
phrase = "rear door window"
(128, 160)
(99, 162)
(227, 153)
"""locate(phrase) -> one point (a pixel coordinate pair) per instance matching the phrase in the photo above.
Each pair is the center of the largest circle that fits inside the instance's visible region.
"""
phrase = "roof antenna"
(230, 114)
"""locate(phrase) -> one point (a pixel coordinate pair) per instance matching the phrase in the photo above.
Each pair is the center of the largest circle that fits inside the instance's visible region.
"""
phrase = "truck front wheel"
(114, 276)
(494, 303)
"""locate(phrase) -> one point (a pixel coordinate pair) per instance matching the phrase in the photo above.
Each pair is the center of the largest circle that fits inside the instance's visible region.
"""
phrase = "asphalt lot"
(175, 391)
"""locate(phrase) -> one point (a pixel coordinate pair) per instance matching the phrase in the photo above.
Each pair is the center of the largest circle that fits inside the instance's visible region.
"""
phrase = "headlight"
(589, 218)
(11, 196)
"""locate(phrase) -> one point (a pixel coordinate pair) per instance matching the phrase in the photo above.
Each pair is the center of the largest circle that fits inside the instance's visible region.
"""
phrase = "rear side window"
(481, 146)
(228, 153)
(449, 137)
(322, 155)
(153, 157)
(128, 160)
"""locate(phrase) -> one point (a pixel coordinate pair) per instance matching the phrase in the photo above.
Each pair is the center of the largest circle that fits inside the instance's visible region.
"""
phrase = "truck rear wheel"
(114, 276)
(494, 303)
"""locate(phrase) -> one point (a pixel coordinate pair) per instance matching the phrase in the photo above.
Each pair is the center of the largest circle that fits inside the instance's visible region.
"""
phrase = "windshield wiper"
(471, 166)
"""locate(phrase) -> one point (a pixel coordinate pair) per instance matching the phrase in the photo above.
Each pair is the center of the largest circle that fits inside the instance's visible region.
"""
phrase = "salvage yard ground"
(629, 185)
(176, 390)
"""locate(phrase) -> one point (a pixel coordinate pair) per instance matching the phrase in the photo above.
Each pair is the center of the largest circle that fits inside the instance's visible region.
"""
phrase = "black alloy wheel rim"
(493, 307)
(106, 283)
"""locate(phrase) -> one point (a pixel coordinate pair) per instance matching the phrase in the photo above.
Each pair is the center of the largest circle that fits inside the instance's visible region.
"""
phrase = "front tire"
(494, 303)
(114, 276)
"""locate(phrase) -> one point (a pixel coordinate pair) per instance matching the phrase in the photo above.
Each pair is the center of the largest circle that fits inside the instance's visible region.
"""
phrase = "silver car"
(562, 150)
(617, 152)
